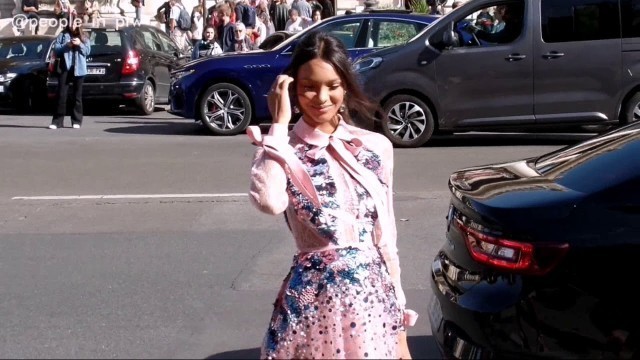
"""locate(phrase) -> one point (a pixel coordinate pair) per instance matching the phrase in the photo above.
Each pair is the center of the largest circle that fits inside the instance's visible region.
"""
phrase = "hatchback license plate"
(1, 88)
(95, 71)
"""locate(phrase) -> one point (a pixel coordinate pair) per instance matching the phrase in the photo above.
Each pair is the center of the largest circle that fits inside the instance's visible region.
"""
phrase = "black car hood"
(20, 66)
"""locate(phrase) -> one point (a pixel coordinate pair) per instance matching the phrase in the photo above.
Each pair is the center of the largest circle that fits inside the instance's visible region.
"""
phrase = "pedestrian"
(226, 30)
(333, 181)
(208, 46)
(72, 47)
(162, 16)
(138, 4)
(197, 25)
(178, 34)
(31, 8)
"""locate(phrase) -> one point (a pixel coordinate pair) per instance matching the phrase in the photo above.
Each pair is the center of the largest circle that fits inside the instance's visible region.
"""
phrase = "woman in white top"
(197, 26)
(259, 32)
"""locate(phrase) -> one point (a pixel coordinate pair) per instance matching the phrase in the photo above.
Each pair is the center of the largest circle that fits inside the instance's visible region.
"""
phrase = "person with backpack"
(180, 24)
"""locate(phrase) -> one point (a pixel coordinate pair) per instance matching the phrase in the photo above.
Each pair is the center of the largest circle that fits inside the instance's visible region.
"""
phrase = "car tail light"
(52, 60)
(509, 255)
(131, 63)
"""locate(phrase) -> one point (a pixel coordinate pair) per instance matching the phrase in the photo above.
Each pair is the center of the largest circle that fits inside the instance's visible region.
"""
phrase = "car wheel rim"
(149, 98)
(636, 113)
(407, 121)
(224, 109)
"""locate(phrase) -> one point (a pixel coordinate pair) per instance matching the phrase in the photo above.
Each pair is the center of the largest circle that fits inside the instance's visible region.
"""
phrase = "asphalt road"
(151, 273)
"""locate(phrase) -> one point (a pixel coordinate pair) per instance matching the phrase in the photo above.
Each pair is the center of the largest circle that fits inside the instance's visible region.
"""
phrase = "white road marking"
(134, 196)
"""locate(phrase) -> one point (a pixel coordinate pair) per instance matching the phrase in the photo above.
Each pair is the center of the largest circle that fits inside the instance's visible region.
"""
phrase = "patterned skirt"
(337, 304)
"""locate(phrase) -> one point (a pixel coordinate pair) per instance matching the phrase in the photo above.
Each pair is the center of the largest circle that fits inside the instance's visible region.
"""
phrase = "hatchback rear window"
(105, 42)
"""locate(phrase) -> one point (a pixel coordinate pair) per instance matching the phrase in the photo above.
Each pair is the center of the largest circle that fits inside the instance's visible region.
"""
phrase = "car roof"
(28, 38)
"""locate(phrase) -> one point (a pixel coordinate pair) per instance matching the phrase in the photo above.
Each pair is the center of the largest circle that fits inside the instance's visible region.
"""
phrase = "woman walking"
(71, 47)
(333, 181)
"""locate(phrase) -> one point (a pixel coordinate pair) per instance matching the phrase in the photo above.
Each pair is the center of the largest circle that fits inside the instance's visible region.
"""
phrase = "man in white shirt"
(178, 35)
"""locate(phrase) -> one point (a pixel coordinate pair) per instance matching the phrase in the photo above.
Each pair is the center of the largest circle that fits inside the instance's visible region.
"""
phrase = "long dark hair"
(319, 45)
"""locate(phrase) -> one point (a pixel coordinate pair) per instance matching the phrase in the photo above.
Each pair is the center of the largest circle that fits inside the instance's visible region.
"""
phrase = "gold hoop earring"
(343, 108)
(296, 110)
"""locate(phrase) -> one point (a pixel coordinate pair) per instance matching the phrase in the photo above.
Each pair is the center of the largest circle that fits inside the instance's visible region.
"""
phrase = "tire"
(146, 102)
(409, 121)
(24, 104)
(631, 110)
(225, 109)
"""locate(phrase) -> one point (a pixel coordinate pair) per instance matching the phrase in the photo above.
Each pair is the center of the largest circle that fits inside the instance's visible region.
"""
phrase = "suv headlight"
(365, 64)
(180, 74)
(7, 77)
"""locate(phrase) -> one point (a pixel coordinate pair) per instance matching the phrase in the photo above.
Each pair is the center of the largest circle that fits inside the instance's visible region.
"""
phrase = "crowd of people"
(238, 25)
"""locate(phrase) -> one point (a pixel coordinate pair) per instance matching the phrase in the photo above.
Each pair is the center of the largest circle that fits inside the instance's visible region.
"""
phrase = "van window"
(579, 20)
(498, 23)
(630, 11)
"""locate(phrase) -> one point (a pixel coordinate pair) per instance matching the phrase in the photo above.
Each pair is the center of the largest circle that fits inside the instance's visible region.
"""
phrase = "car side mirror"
(450, 38)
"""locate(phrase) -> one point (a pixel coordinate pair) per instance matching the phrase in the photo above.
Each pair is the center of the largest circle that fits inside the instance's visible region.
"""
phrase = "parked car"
(129, 65)
(561, 63)
(23, 71)
(539, 259)
(228, 91)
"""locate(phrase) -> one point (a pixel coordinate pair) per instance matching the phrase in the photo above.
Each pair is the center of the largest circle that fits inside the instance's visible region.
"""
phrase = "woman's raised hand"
(279, 100)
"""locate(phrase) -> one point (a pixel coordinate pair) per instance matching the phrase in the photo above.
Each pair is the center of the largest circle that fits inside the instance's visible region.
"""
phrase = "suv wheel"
(409, 121)
(225, 109)
(631, 110)
(147, 100)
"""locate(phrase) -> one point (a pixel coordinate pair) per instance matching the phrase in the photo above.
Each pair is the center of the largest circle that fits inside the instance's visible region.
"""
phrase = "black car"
(23, 70)
(129, 65)
(540, 256)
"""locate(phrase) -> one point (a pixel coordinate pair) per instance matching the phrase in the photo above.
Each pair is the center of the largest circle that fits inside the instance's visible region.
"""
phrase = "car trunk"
(104, 63)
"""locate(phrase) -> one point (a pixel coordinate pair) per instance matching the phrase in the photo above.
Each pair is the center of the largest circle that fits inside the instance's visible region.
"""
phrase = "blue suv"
(227, 92)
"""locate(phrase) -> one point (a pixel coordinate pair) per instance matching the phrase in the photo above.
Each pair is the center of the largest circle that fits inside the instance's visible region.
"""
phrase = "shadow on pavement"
(506, 139)
(422, 347)
(159, 128)
(253, 353)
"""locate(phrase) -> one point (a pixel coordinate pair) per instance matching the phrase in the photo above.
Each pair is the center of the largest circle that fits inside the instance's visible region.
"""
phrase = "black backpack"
(184, 20)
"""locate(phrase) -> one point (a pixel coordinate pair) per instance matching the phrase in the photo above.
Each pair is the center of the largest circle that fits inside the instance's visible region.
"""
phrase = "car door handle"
(552, 55)
(515, 57)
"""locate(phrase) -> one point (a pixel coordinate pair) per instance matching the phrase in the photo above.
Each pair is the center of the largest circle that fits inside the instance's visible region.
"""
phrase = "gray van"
(510, 64)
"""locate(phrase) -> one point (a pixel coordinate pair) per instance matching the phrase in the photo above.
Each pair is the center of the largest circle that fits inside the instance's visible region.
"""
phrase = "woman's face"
(293, 16)
(316, 16)
(209, 34)
(320, 94)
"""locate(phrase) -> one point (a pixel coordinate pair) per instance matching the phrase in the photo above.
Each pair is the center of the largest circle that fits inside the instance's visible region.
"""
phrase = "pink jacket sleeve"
(268, 190)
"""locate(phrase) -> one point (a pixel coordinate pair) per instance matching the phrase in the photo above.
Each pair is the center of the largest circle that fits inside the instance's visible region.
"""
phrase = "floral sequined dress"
(342, 297)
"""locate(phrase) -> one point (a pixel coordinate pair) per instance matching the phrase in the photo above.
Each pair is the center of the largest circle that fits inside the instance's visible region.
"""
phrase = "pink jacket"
(350, 152)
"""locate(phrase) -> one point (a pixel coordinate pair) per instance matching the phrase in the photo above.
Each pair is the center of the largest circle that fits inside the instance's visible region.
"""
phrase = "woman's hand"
(279, 101)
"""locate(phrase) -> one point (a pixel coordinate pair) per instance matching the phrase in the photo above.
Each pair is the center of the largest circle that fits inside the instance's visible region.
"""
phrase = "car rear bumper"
(121, 91)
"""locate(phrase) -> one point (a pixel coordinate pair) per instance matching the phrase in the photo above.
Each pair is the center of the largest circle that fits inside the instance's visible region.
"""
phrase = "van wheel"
(146, 102)
(225, 109)
(631, 110)
(409, 121)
